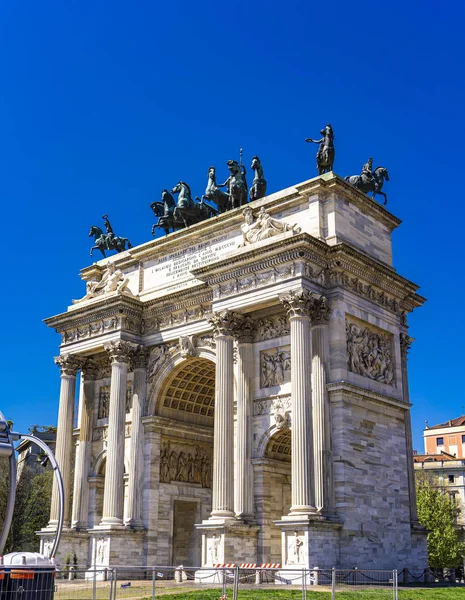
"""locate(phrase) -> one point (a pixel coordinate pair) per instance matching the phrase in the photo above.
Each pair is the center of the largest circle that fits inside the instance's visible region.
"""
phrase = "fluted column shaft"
(405, 343)
(243, 492)
(113, 498)
(324, 489)
(134, 508)
(298, 305)
(80, 514)
(69, 366)
(223, 440)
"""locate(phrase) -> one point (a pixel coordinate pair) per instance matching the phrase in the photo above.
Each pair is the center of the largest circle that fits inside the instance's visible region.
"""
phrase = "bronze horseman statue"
(326, 153)
(108, 240)
(369, 180)
(236, 184)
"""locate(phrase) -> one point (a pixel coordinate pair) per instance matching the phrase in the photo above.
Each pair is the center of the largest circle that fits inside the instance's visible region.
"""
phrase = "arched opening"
(185, 406)
(276, 478)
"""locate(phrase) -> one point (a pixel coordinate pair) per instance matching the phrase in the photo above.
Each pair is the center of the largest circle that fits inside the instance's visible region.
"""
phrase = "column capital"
(225, 322)
(298, 303)
(320, 311)
(69, 364)
(140, 357)
(90, 370)
(405, 343)
(244, 330)
(120, 351)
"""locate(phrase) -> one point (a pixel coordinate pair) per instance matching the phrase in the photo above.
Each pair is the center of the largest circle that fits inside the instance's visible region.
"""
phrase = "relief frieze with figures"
(186, 463)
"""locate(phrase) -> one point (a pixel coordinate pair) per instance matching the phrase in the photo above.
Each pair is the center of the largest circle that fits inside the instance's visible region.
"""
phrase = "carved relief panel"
(185, 462)
(275, 366)
(369, 351)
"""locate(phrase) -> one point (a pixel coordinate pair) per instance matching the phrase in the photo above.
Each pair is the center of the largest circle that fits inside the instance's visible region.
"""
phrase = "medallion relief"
(369, 352)
(275, 366)
(186, 463)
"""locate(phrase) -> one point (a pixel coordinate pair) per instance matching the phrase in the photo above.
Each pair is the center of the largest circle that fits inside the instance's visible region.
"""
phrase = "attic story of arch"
(173, 215)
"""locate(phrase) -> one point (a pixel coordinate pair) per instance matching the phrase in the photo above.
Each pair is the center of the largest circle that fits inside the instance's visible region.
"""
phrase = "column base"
(227, 542)
(309, 541)
(135, 524)
(110, 522)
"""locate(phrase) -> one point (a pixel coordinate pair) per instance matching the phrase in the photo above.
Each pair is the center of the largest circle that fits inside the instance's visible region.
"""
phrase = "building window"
(463, 439)
(451, 479)
(440, 441)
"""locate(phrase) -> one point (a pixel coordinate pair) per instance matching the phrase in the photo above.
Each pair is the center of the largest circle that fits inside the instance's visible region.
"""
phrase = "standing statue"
(370, 181)
(108, 240)
(236, 184)
(258, 189)
(213, 192)
(326, 152)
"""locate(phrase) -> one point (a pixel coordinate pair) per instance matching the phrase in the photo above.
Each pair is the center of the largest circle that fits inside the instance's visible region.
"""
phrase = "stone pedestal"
(309, 542)
(108, 545)
(73, 543)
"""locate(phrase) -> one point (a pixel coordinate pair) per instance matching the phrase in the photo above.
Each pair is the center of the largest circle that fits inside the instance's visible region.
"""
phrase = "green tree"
(32, 506)
(438, 513)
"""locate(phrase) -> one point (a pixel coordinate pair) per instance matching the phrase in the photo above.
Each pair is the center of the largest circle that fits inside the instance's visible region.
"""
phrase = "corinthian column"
(134, 512)
(405, 343)
(83, 453)
(69, 366)
(120, 355)
(224, 323)
(324, 493)
(298, 306)
(243, 494)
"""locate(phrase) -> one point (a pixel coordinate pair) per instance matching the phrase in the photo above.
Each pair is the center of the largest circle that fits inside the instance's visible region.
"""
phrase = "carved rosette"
(140, 357)
(298, 303)
(320, 311)
(69, 365)
(225, 322)
(120, 351)
(90, 370)
(405, 343)
(245, 330)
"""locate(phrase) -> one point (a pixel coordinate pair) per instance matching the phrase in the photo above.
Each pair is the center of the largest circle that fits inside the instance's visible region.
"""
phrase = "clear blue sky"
(103, 104)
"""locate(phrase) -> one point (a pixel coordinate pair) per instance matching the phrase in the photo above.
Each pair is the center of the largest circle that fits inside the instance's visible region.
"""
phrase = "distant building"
(450, 474)
(29, 454)
(447, 437)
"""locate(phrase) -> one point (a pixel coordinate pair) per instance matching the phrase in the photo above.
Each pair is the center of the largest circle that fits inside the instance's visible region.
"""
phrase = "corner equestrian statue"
(236, 184)
(258, 189)
(326, 152)
(369, 181)
(107, 241)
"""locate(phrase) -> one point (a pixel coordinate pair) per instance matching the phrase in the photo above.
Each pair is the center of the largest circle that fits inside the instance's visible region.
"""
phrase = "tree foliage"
(32, 506)
(438, 513)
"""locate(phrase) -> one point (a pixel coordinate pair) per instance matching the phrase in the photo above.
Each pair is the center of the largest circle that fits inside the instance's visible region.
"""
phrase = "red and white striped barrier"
(224, 565)
(271, 566)
(247, 566)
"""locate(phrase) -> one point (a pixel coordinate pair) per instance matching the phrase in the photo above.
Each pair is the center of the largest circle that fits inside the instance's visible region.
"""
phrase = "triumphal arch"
(243, 393)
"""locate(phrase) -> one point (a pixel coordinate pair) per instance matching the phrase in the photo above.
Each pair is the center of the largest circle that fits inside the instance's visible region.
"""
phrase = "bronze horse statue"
(374, 183)
(237, 185)
(258, 189)
(164, 210)
(214, 194)
(326, 152)
(104, 241)
(190, 211)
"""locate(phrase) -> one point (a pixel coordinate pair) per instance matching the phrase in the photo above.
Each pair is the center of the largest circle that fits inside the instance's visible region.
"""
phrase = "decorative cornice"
(359, 392)
(298, 303)
(120, 351)
(225, 322)
(69, 364)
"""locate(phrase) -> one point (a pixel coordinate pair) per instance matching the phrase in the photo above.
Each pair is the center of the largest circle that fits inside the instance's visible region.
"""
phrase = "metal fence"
(233, 583)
